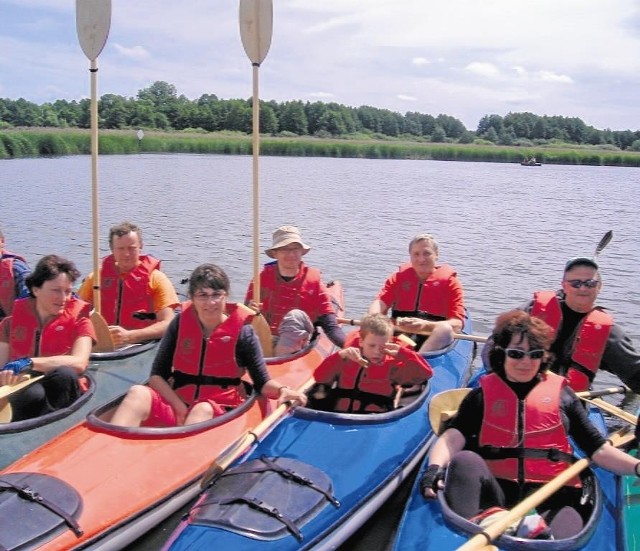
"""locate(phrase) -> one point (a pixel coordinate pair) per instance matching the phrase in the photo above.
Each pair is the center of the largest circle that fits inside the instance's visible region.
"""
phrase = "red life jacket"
(535, 452)
(590, 341)
(7, 281)
(279, 297)
(364, 389)
(55, 338)
(207, 370)
(422, 298)
(123, 296)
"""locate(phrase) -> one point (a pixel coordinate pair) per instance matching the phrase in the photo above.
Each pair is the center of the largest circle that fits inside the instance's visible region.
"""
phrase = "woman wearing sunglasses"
(510, 435)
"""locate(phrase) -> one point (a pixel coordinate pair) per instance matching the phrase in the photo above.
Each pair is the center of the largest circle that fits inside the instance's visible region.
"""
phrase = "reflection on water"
(508, 230)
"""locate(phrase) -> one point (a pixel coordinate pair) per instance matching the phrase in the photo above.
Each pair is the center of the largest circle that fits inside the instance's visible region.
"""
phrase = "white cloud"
(136, 52)
(549, 76)
(420, 61)
(321, 95)
(482, 57)
(484, 69)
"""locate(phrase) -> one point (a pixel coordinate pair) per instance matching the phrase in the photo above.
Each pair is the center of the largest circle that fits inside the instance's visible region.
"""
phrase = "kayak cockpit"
(100, 420)
(589, 508)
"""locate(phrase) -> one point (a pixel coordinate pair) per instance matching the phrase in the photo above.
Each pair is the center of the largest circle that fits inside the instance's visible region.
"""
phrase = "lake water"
(507, 229)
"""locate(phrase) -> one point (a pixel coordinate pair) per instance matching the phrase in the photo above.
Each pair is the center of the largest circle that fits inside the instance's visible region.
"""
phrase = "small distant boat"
(530, 163)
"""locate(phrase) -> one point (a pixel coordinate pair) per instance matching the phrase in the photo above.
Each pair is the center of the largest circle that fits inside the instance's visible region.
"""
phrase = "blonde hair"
(376, 324)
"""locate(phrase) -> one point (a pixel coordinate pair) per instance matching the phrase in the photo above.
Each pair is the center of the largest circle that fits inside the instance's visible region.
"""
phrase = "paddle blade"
(93, 21)
(256, 28)
(6, 413)
(444, 406)
(606, 239)
(8, 390)
(104, 342)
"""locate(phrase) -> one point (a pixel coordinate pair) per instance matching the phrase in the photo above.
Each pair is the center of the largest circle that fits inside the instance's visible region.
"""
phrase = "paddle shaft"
(249, 438)
(93, 21)
(256, 29)
(613, 410)
(491, 532)
(459, 336)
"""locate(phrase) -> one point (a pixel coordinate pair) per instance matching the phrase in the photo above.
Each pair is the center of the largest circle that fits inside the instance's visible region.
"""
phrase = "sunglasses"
(517, 354)
(577, 283)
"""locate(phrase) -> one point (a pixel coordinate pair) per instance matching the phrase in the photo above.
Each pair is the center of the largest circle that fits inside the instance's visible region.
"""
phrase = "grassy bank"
(55, 142)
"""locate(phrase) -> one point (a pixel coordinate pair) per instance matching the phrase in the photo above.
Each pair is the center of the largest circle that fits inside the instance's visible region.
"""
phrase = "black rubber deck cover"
(226, 503)
(24, 522)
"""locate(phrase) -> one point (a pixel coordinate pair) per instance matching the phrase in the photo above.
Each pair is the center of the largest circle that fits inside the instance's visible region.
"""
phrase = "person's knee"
(138, 397)
(202, 411)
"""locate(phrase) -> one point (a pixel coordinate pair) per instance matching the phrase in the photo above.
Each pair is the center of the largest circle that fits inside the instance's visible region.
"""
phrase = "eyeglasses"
(206, 297)
(517, 354)
(577, 283)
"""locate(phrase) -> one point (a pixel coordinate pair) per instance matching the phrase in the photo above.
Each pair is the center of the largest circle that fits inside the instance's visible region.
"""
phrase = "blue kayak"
(430, 524)
(318, 476)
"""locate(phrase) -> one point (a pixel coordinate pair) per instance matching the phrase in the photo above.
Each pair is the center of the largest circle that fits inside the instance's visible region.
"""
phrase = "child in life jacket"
(364, 375)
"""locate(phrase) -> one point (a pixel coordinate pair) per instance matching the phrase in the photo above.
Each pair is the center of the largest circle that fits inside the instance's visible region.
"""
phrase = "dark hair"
(49, 267)
(518, 322)
(208, 276)
(124, 228)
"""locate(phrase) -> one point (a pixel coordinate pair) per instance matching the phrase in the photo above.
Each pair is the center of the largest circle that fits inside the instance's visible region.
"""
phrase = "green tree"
(293, 118)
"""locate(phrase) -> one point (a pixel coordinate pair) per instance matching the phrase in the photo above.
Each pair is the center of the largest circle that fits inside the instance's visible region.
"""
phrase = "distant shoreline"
(51, 142)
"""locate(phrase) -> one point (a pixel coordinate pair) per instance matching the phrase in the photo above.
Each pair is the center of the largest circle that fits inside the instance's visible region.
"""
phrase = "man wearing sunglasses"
(586, 337)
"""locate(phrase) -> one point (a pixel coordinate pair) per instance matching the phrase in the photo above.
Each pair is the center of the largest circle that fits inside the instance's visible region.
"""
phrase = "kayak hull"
(365, 457)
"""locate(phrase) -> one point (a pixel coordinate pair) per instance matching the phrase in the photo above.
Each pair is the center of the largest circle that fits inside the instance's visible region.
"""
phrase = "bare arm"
(122, 336)
(77, 359)
(615, 460)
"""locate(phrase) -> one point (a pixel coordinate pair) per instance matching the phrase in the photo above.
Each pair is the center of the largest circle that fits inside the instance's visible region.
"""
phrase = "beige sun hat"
(283, 236)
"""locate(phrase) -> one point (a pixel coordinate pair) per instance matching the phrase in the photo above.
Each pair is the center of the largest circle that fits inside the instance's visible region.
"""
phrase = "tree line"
(160, 107)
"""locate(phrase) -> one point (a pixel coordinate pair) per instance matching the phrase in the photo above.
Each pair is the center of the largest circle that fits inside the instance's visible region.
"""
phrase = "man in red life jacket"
(424, 296)
(13, 273)
(289, 290)
(586, 337)
(137, 299)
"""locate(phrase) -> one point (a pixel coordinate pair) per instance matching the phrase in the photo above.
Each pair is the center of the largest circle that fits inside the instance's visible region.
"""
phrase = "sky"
(463, 58)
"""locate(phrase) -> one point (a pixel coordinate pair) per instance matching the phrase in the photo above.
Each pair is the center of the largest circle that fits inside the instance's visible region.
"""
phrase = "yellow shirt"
(162, 291)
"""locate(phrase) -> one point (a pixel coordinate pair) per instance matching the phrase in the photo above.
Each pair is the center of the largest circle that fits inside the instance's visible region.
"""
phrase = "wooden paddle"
(256, 28)
(226, 458)
(93, 21)
(262, 330)
(7, 390)
(444, 405)
(613, 410)
(104, 341)
(6, 413)
(459, 336)
(495, 529)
